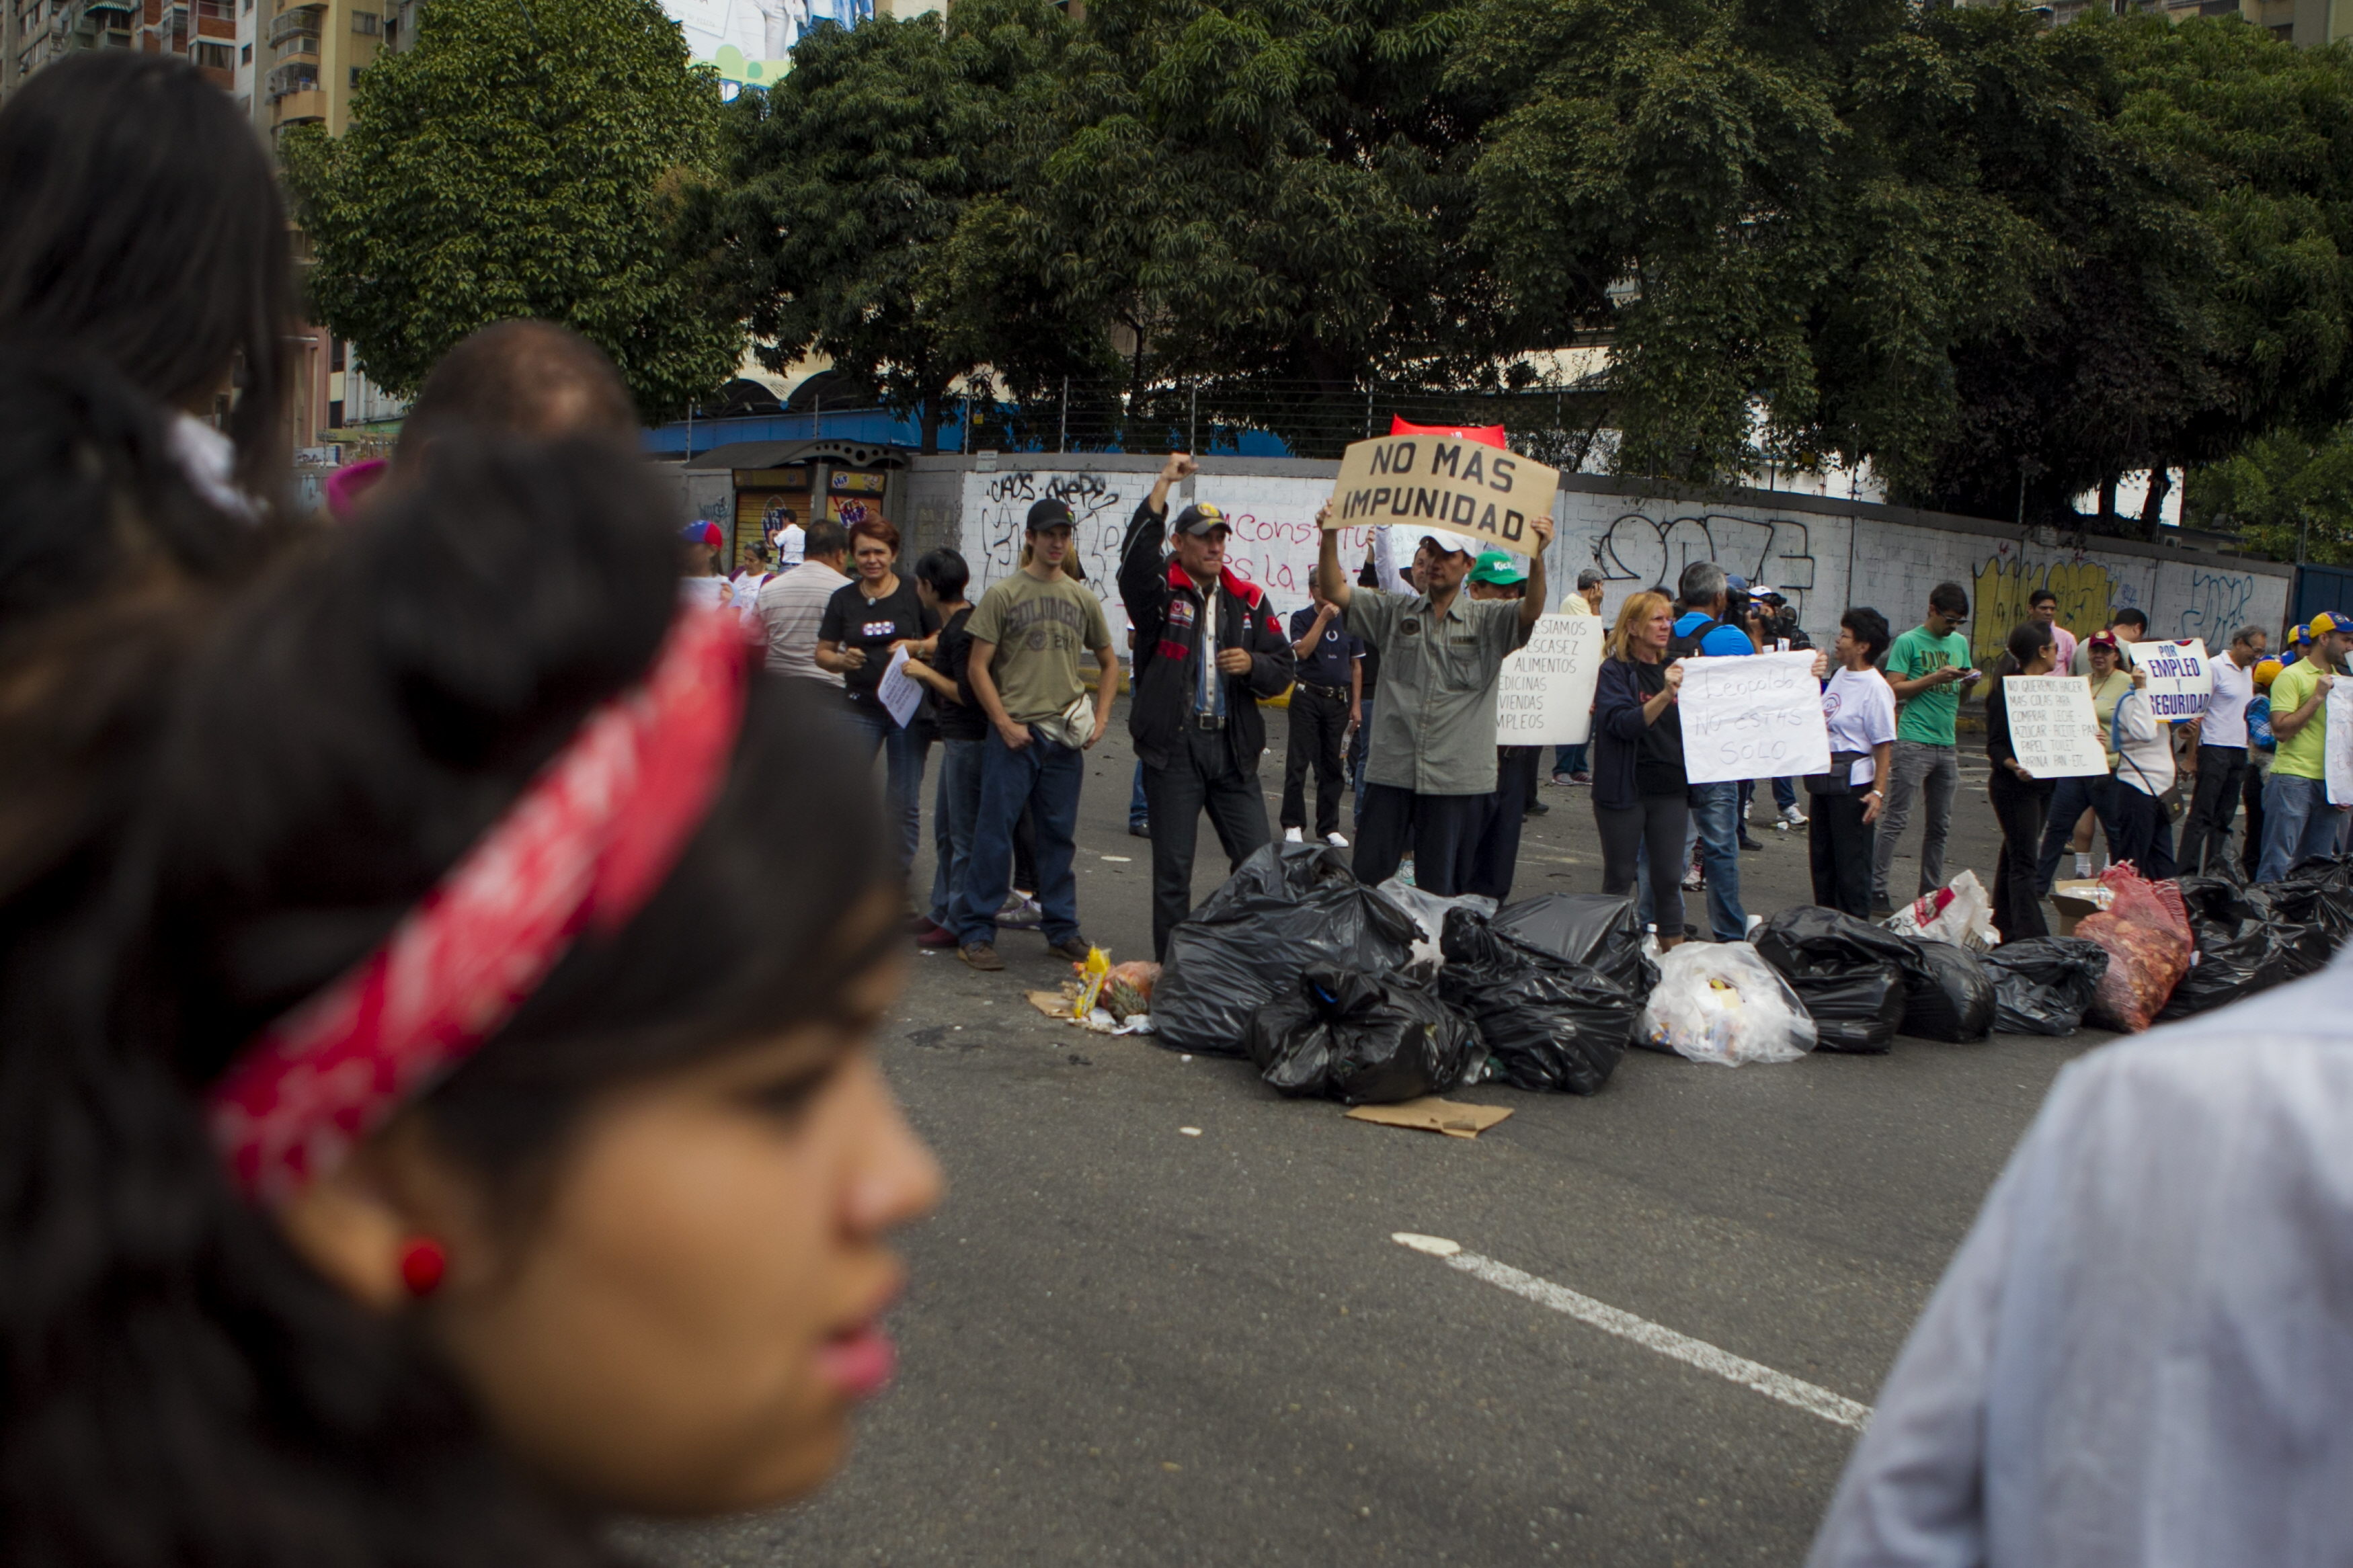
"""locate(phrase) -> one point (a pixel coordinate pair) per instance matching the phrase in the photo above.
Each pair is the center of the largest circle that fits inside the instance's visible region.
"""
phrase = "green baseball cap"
(1499, 567)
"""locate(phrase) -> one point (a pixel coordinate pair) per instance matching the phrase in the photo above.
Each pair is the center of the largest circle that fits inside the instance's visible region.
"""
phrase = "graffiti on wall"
(1638, 551)
(1271, 539)
(2219, 603)
(2089, 596)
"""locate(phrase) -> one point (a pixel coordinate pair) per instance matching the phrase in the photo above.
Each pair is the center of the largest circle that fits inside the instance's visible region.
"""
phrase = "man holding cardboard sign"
(1432, 761)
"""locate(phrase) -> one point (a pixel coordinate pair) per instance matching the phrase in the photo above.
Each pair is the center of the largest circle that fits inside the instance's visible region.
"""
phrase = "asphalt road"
(1130, 1343)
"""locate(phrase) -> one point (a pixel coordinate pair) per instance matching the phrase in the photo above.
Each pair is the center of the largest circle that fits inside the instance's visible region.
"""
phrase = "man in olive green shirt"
(1027, 635)
(2298, 821)
(1431, 772)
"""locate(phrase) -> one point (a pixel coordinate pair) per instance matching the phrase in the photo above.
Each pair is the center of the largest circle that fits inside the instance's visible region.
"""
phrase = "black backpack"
(1688, 646)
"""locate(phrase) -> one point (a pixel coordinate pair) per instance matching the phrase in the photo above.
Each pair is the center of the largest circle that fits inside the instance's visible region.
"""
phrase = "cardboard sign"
(1758, 717)
(2336, 754)
(2180, 680)
(2053, 728)
(1544, 696)
(1482, 492)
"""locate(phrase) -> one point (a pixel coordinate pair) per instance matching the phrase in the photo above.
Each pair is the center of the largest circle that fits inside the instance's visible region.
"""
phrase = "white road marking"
(1790, 1391)
(1190, 1132)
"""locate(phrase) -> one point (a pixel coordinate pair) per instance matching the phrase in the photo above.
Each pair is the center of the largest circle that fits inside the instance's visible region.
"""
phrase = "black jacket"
(1165, 606)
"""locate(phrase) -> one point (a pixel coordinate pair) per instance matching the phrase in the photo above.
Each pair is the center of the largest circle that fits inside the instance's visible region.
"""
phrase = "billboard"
(750, 40)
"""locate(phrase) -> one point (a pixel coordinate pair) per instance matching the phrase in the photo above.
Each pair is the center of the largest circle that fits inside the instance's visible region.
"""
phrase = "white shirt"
(708, 593)
(2145, 759)
(791, 607)
(2225, 722)
(791, 540)
(2143, 1353)
(1860, 708)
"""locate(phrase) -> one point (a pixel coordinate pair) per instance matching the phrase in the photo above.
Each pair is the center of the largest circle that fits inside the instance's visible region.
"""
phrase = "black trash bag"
(1361, 1039)
(1597, 930)
(1546, 1023)
(1289, 905)
(1957, 1003)
(2324, 897)
(2249, 939)
(1854, 977)
(2043, 985)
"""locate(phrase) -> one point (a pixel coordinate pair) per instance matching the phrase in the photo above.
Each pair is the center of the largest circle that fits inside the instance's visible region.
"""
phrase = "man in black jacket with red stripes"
(1196, 726)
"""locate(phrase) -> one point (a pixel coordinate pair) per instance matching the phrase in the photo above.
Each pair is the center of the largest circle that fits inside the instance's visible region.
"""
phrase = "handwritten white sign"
(2180, 678)
(2336, 754)
(1758, 717)
(2053, 728)
(1544, 696)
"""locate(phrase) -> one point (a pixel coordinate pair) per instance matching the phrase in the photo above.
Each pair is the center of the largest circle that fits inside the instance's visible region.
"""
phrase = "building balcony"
(288, 80)
(295, 44)
(297, 19)
(299, 108)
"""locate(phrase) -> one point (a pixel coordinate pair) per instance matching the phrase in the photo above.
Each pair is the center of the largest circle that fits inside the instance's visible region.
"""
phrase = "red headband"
(586, 844)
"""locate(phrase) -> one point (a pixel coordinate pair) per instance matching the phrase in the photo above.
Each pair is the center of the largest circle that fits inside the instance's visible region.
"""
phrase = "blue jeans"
(1715, 811)
(2299, 824)
(1139, 810)
(954, 810)
(1045, 776)
(2069, 800)
(1569, 759)
(903, 761)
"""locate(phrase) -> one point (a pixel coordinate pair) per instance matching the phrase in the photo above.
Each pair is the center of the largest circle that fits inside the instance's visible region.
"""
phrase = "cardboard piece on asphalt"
(1053, 1003)
(1431, 1114)
(1485, 493)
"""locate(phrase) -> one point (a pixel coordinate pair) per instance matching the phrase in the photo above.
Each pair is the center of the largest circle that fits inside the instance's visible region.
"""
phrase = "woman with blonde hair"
(1642, 802)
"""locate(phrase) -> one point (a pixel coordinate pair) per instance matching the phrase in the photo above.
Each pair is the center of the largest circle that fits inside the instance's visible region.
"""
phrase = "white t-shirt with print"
(1860, 707)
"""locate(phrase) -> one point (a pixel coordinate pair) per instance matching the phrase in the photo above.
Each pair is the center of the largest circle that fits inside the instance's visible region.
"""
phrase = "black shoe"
(1536, 807)
(1139, 830)
(1748, 841)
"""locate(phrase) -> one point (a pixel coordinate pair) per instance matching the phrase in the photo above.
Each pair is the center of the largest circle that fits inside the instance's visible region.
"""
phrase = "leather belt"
(1205, 721)
(1337, 693)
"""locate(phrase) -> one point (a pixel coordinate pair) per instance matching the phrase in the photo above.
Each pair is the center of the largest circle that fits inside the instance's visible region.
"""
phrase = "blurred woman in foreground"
(422, 1130)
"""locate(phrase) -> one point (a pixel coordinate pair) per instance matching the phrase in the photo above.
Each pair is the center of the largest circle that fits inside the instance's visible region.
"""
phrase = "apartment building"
(2307, 24)
(35, 32)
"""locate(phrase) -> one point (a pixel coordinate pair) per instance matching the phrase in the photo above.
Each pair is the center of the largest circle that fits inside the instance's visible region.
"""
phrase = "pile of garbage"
(1373, 995)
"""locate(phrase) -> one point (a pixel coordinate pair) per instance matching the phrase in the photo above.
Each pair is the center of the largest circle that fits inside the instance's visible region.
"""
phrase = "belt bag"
(1071, 726)
(1835, 780)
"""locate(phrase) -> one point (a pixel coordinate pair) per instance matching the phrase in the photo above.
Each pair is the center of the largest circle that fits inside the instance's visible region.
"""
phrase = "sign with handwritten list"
(1544, 695)
(2053, 728)
(1758, 717)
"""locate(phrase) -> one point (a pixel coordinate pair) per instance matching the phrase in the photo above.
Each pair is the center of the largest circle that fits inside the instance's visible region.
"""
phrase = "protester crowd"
(438, 962)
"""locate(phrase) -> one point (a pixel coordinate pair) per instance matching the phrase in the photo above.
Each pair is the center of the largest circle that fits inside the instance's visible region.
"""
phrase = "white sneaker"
(2083, 867)
(1293, 835)
(1792, 815)
(1336, 841)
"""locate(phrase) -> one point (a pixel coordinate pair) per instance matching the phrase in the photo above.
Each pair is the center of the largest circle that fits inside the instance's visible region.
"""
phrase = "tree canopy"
(524, 159)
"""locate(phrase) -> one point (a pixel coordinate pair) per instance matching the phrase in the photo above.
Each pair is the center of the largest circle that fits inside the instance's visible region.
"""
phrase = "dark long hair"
(93, 494)
(176, 1386)
(144, 225)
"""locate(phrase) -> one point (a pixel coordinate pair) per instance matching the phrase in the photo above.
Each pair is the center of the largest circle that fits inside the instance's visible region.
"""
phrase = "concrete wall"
(1825, 553)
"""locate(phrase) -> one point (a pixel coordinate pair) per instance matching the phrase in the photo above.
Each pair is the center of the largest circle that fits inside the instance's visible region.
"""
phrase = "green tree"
(2290, 497)
(850, 181)
(526, 158)
(1979, 251)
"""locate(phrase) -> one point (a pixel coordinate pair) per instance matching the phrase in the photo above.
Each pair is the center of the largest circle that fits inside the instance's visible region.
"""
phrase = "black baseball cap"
(1202, 521)
(1050, 513)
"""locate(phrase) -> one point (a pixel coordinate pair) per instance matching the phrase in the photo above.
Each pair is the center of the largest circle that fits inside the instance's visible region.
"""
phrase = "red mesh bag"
(2146, 934)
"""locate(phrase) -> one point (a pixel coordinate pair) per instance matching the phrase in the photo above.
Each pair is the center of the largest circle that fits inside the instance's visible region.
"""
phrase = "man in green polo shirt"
(1929, 669)
(2298, 821)
(1431, 768)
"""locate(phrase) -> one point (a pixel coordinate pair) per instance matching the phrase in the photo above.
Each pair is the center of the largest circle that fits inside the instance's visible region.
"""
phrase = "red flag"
(1486, 435)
